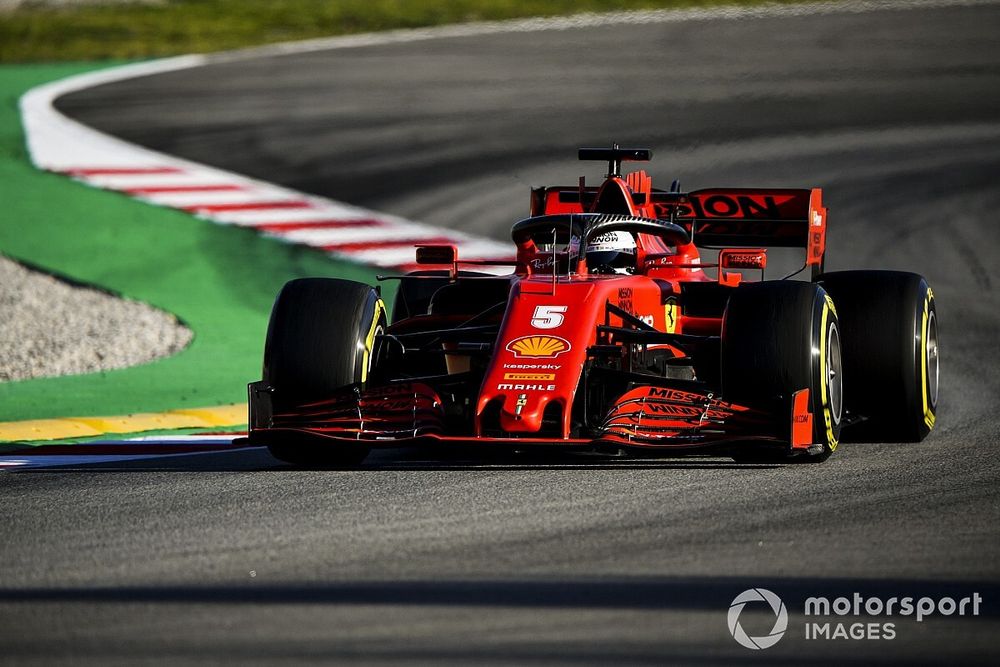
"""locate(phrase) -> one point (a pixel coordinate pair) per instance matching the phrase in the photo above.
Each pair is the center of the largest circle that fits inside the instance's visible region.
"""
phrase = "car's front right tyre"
(320, 339)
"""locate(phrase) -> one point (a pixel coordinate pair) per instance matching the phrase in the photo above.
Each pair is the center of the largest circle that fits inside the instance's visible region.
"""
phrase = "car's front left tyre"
(778, 338)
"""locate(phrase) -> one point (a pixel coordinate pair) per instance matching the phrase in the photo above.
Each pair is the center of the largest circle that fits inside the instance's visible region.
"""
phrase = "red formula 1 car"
(608, 333)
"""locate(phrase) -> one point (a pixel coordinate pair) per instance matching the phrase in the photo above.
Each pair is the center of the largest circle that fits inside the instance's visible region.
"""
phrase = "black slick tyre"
(891, 359)
(778, 338)
(320, 339)
(413, 295)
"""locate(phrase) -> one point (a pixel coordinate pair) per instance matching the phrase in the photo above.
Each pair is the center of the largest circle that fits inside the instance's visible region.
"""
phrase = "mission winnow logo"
(824, 616)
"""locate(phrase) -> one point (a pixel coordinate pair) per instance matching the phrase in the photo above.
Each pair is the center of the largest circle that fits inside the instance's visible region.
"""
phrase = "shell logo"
(538, 346)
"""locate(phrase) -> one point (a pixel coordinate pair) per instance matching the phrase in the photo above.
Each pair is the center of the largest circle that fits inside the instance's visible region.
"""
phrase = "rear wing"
(746, 217)
(727, 217)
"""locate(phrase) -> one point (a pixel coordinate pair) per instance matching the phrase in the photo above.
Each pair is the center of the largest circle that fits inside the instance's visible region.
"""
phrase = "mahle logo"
(780, 618)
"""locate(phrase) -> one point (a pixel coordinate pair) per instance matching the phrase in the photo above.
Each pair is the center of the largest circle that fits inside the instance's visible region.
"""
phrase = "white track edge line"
(594, 19)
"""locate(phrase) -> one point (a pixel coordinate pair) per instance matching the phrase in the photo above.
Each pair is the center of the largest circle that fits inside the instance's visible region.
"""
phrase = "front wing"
(412, 414)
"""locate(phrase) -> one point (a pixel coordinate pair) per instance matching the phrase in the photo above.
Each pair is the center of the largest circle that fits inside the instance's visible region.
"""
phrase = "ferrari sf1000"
(608, 332)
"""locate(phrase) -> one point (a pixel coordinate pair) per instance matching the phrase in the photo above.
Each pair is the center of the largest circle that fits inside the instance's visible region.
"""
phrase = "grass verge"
(219, 280)
(85, 31)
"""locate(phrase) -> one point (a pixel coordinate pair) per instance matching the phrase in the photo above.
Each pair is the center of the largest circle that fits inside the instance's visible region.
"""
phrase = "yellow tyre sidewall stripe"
(928, 414)
(370, 338)
(831, 439)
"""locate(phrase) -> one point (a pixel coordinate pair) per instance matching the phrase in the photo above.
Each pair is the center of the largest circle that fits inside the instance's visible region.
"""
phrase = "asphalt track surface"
(448, 560)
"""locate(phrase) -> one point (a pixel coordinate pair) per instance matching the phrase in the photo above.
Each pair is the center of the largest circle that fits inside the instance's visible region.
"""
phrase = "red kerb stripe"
(121, 171)
(294, 226)
(156, 189)
(413, 266)
(358, 246)
(249, 206)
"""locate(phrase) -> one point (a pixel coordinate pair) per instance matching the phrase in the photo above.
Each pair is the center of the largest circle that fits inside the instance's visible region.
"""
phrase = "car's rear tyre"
(320, 339)
(413, 295)
(778, 338)
(891, 363)
(418, 290)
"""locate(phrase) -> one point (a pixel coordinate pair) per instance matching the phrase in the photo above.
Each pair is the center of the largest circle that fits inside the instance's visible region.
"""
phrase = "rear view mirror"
(437, 254)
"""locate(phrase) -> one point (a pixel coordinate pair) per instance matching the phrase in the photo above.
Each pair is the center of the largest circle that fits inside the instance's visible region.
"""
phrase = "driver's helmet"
(611, 252)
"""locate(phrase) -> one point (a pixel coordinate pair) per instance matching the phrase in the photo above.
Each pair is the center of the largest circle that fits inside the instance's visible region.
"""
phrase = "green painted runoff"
(220, 281)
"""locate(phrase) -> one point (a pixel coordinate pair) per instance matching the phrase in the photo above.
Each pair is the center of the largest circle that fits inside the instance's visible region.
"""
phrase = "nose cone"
(539, 357)
(524, 405)
(524, 386)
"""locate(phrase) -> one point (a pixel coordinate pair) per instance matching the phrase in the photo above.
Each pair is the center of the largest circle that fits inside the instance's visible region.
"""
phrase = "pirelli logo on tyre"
(529, 376)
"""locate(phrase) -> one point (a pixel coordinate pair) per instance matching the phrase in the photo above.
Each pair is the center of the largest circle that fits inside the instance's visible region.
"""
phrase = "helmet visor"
(616, 259)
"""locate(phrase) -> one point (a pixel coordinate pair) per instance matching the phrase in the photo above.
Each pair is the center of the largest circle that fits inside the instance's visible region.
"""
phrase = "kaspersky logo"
(780, 618)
